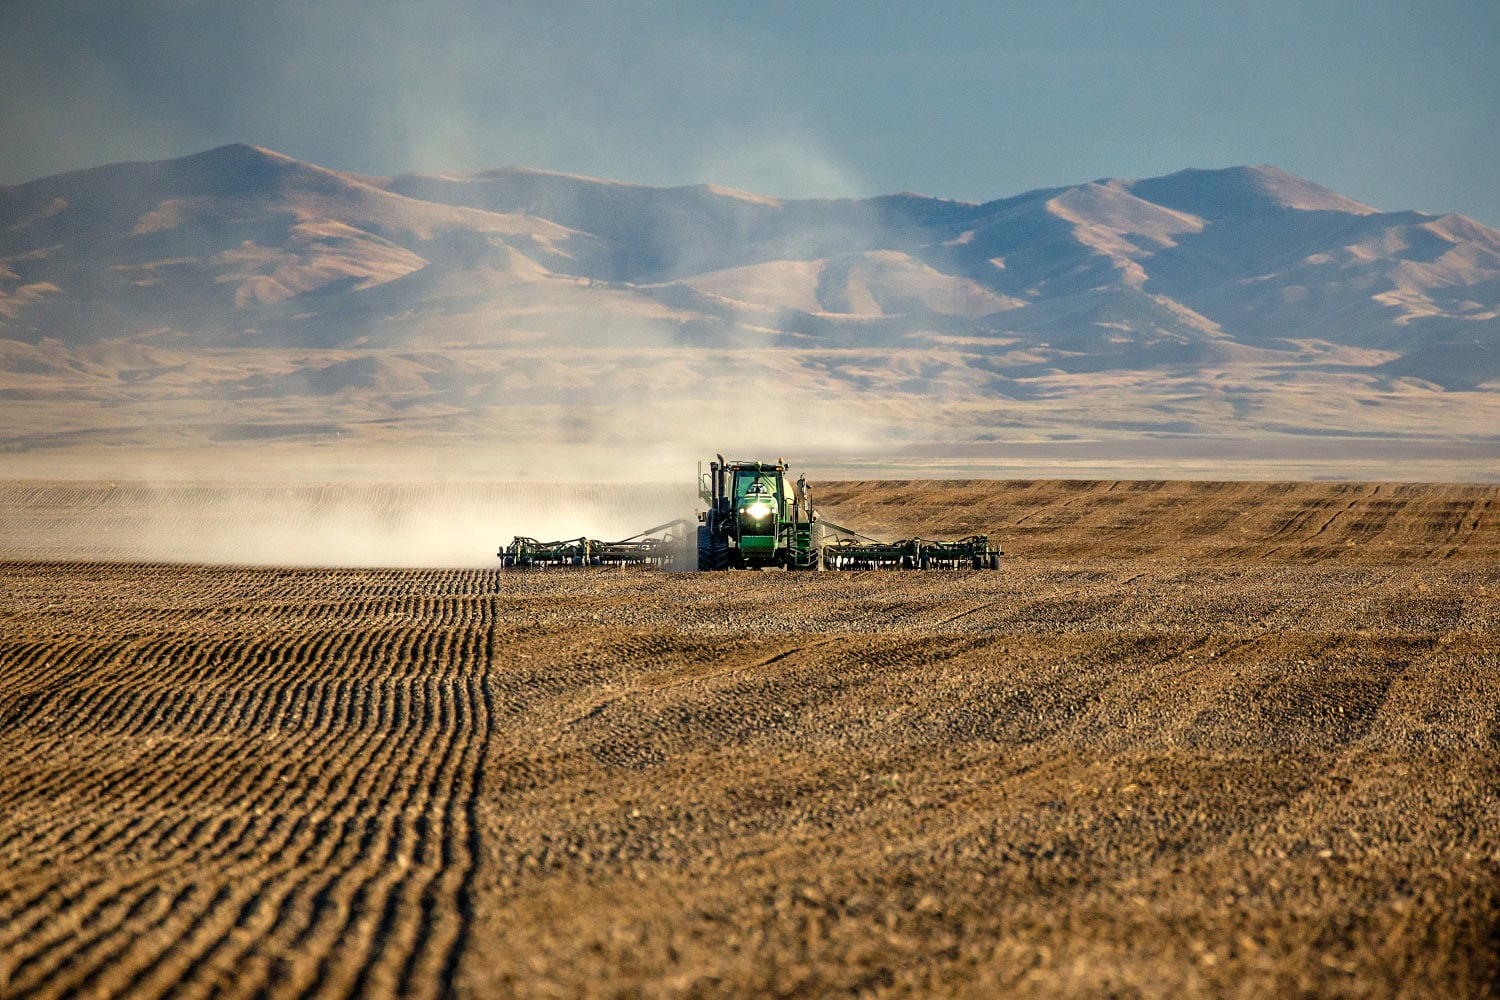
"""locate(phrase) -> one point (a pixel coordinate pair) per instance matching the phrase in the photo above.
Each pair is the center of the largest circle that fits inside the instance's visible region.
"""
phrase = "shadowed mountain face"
(240, 294)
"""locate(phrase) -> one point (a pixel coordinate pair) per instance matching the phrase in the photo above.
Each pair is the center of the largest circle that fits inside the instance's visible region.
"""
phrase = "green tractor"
(756, 519)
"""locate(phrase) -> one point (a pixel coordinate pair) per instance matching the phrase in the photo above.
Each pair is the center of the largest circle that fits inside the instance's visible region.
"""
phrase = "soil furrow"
(1192, 739)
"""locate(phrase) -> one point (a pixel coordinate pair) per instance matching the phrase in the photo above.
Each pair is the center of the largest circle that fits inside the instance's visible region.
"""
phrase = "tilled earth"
(1193, 738)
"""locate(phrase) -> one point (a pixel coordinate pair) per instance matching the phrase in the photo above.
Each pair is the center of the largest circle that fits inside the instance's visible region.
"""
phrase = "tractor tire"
(818, 558)
(711, 555)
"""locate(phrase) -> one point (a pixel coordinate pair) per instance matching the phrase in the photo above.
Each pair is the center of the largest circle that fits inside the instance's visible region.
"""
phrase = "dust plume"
(347, 524)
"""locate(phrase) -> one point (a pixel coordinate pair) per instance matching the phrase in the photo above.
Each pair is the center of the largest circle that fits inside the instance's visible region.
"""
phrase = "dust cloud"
(451, 536)
(332, 525)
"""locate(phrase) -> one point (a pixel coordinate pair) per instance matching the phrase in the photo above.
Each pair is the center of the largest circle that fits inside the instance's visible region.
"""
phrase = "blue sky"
(1393, 103)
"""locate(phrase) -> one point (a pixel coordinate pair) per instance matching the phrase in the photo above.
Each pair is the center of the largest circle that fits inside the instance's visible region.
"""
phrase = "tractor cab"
(758, 506)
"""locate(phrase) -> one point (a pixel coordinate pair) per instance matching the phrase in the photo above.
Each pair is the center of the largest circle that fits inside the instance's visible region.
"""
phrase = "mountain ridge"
(1205, 303)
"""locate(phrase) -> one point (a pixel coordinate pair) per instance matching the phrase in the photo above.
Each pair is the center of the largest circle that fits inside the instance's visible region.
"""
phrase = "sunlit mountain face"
(240, 295)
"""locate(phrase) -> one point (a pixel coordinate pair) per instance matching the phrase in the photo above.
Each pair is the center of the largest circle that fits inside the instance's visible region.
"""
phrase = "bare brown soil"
(1192, 739)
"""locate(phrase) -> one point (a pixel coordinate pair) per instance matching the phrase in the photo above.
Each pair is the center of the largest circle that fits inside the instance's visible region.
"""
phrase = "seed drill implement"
(756, 519)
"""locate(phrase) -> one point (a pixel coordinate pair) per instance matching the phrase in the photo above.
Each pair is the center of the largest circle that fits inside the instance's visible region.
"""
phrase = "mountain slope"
(188, 244)
(249, 290)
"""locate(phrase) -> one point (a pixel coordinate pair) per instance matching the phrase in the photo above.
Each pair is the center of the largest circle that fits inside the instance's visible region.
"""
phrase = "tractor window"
(750, 484)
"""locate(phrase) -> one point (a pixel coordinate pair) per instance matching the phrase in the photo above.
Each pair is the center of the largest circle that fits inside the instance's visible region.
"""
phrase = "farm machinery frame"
(757, 518)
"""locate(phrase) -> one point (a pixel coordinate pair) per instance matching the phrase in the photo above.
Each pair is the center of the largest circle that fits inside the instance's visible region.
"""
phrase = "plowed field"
(1193, 738)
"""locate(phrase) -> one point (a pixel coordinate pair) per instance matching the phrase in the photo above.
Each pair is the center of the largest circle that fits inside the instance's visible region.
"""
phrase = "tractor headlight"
(759, 510)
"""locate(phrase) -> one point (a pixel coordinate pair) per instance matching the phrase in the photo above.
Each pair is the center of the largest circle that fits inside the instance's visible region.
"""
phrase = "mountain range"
(240, 297)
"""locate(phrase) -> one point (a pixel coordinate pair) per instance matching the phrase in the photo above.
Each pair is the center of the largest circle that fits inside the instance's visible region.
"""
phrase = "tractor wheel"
(711, 555)
(994, 560)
